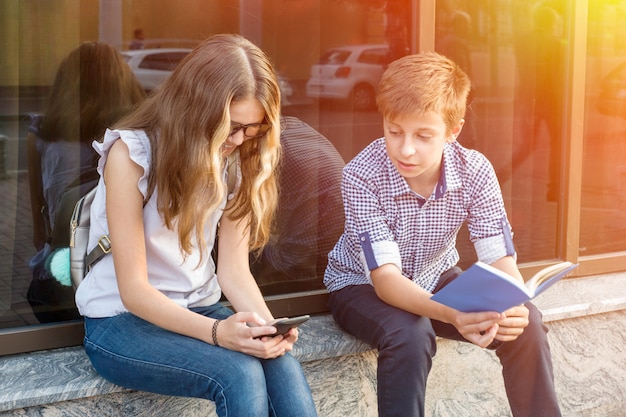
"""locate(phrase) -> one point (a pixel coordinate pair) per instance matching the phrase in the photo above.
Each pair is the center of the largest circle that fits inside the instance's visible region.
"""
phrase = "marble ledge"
(65, 374)
(57, 375)
(579, 297)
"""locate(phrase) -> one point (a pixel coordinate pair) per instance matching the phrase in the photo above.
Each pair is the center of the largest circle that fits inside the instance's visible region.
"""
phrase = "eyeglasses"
(250, 131)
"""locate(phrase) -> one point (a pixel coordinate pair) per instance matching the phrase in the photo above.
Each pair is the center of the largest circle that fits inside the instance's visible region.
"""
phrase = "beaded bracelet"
(214, 332)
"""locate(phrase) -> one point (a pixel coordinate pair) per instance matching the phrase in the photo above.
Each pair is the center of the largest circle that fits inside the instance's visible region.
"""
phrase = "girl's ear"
(456, 130)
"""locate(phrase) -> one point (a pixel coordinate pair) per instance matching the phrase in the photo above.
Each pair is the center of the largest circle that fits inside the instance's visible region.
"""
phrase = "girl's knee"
(241, 390)
(245, 374)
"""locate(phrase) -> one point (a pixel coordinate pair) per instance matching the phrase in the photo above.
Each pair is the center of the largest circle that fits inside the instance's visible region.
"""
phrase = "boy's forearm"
(397, 290)
(509, 265)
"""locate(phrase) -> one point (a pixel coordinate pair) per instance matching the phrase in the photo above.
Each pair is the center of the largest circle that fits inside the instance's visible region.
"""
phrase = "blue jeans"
(136, 354)
(406, 344)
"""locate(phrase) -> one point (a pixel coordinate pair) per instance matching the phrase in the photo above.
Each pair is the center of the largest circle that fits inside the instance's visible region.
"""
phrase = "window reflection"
(296, 34)
(349, 73)
(513, 51)
(514, 54)
(603, 198)
(93, 87)
(310, 212)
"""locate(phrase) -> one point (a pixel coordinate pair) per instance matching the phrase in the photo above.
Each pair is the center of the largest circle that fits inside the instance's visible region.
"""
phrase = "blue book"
(485, 288)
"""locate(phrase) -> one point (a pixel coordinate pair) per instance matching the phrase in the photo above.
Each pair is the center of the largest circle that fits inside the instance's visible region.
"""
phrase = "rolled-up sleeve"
(379, 253)
(490, 249)
(487, 222)
(366, 223)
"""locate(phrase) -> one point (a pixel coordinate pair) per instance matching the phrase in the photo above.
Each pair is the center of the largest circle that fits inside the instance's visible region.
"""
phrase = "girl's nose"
(238, 138)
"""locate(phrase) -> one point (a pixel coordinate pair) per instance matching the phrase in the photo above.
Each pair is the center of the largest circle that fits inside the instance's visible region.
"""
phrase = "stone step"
(586, 318)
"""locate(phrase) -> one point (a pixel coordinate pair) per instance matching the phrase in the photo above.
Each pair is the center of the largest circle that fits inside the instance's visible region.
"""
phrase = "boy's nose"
(407, 148)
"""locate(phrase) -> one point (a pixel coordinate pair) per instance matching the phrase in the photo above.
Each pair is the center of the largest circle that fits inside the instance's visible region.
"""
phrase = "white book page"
(549, 271)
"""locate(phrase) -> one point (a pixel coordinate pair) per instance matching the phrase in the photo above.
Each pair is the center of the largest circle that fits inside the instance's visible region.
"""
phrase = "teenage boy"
(405, 197)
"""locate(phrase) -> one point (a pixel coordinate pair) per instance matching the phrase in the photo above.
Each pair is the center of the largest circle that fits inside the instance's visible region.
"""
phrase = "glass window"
(162, 61)
(153, 66)
(334, 66)
(603, 194)
(514, 54)
(329, 115)
(375, 56)
(334, 57)
(329, 66)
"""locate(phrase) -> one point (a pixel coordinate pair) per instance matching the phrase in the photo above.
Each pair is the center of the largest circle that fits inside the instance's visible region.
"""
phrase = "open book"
(485, 288)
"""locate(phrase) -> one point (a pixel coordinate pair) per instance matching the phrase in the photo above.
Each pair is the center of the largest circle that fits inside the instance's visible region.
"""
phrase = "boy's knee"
(535, 327)
(533, 338)
(410, 339)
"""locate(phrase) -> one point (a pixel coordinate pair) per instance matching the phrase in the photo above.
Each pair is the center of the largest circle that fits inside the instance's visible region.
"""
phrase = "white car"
(153, 66)
(349, 73)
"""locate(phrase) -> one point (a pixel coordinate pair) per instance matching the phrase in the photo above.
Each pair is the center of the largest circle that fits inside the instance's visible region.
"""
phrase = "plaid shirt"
(387, 222)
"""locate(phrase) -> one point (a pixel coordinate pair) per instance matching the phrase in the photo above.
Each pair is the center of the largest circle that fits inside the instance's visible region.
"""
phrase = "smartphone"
(284, 325)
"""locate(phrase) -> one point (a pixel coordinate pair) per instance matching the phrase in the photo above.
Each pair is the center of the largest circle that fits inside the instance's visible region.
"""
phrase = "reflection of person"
(397, 28)
(137, 41)
(454, 44)
(153, 320)
(310, 212)
(540, 93)
(406, 196)
(93, 87)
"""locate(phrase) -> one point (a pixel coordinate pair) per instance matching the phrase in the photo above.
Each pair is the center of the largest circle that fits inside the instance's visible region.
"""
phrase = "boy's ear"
(456, 130)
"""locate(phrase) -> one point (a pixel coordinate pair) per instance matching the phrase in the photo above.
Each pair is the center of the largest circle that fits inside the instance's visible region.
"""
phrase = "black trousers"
(406, 344)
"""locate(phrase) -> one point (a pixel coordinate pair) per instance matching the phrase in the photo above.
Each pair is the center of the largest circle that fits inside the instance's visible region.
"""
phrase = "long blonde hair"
(189, 117)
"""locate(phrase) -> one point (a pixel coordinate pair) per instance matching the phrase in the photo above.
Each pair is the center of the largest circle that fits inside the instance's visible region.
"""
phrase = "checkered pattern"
(309, 218)
(417, 235)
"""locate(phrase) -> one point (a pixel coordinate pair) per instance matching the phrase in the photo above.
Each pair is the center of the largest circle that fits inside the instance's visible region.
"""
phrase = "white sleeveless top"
(182, 280)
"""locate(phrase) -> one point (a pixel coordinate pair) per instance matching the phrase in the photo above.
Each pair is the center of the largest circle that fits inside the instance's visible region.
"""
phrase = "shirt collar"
(441, 187)
(450, 172)
(449, 178)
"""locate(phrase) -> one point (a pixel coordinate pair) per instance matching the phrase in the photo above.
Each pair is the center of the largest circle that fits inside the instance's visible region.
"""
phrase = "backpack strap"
(104, 243)
(102, 248)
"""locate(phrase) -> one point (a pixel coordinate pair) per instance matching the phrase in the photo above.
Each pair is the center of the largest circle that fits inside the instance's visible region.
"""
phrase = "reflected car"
(612, 100)
(153, 66)
(349, 73)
